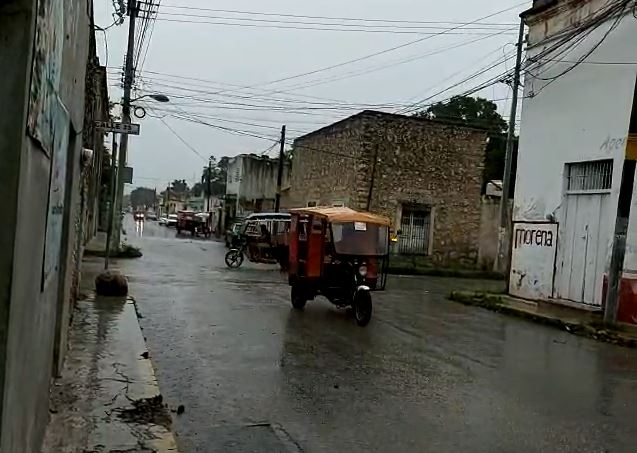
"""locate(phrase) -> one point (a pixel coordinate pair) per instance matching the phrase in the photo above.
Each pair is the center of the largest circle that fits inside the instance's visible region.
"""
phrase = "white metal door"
(582, 248)
(584, 232)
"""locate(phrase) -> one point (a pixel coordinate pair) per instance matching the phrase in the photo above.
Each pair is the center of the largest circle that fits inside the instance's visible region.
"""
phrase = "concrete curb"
(581, 325)
(108, 399)
(442, 272)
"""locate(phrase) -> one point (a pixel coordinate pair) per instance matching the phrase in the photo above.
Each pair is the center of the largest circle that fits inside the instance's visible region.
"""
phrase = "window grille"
(592, 176)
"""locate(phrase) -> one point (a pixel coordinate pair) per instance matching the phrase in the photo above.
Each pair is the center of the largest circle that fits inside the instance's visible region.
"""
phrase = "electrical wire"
(150, 37)
(255, 13)
(613, 8)
(419, 104)
(384, 51)
(384, 66)
(181, 139)
(325, 27)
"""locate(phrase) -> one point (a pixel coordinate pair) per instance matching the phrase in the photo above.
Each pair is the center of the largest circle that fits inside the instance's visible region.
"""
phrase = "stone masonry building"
(423, 174)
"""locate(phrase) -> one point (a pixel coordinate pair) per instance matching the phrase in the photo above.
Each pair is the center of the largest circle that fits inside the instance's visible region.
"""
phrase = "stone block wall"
(325, 165)
(434, 164)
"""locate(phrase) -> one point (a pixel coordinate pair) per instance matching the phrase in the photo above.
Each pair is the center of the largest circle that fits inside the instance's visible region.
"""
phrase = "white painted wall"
(234, 175)
(583, 115)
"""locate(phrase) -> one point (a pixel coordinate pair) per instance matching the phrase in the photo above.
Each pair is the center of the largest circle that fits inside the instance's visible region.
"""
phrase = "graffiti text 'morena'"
(539, 238)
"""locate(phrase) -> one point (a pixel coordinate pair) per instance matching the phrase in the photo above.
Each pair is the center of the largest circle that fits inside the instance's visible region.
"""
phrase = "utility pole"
(279, 176)
(624, 203)
(111, 213)
(126, 119)
(209, 177)
(503, 262)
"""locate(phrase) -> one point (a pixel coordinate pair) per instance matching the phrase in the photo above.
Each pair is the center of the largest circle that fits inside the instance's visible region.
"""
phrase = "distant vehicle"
(138, 216)
(151, 215)
(171, 220)
(186, 222)
(163, 221)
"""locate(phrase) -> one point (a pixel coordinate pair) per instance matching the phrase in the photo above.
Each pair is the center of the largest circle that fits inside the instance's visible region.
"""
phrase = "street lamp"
(158, 97)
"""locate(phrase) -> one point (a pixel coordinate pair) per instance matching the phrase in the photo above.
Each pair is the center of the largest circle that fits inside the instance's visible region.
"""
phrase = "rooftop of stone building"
(396, 116)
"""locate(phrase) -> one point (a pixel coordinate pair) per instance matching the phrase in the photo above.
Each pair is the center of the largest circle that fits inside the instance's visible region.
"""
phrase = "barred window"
(591, 176)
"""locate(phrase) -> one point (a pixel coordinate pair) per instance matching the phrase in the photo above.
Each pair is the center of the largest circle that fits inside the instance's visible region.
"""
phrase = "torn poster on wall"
(46, 73)
(533, 255)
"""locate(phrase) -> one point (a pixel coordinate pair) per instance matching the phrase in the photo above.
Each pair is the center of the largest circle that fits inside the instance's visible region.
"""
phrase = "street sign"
(127, 175)
(118, 128)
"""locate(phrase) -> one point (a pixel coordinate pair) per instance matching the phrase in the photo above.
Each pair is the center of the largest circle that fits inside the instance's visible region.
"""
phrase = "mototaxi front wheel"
(234, 259)
(298, 297)
(362, 308)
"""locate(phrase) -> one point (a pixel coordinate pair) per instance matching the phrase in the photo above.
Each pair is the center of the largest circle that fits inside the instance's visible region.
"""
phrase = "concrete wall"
(489, 232)
(32, 278)
(417, 162)
(582, 115)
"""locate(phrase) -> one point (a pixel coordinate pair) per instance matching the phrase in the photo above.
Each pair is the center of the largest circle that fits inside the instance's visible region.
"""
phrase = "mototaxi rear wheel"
(234, 259)
(298, 297)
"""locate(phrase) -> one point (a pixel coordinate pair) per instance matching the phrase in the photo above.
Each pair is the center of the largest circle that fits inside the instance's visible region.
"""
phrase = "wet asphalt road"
(425, 375)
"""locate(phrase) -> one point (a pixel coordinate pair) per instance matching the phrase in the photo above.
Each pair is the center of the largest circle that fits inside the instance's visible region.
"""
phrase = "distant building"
(576, 130)
(172, 203)
(252, 183)
(425, 175)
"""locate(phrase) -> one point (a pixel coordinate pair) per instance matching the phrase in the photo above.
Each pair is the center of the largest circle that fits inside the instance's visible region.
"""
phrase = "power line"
(330, 29)
(150, 37)
(419, 104)
(385, 66)
(188, 145)
(321, 17)
(270, 22)
(391, 49)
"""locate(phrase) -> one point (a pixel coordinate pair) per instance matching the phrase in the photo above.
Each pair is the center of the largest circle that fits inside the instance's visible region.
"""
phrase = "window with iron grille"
(591, 176)
(415, 228)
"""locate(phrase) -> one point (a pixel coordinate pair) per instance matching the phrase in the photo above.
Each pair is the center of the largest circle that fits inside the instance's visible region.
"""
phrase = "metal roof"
(343, 215)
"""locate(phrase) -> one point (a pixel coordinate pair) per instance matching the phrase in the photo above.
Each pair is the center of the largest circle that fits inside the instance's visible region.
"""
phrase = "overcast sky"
(202, 68)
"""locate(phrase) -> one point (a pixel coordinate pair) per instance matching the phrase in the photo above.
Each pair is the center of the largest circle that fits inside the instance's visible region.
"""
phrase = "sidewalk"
(577, 321)
(107, 399)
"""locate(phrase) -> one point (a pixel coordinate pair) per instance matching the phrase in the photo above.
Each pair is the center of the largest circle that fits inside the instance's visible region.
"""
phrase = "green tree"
(179, 186)
(142, 198)
(470, 111)
(217, 172)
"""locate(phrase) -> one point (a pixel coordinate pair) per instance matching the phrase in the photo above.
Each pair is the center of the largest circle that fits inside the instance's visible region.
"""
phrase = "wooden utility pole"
(279, 177)
(621, 222)
(209, 178)
(112, 208)
(503, 262)
(126, 119)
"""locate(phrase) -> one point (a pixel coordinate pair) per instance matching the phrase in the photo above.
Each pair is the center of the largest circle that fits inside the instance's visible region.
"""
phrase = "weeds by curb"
(593, 330)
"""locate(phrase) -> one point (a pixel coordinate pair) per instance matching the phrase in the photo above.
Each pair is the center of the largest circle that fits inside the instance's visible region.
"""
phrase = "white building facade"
(580, 76)
(251, 184)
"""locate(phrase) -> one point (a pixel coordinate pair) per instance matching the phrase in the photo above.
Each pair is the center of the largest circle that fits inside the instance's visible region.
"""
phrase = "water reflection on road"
(426, 374)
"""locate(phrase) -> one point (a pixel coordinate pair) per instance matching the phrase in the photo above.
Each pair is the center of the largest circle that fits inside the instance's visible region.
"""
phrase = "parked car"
(151, 215)
(171, 221)
(163, 221)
